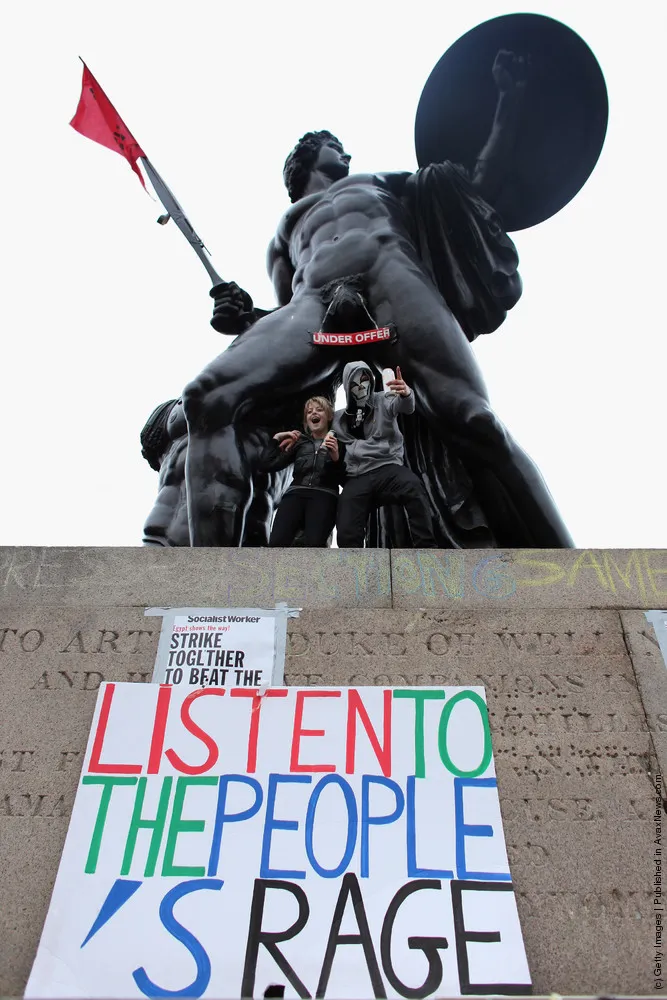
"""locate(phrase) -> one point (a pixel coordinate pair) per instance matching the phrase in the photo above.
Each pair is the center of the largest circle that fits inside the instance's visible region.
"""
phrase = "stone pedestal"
(575, 682)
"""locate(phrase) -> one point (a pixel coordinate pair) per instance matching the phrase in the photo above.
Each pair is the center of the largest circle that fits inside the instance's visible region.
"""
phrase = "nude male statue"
(360, 235)
(164, 443)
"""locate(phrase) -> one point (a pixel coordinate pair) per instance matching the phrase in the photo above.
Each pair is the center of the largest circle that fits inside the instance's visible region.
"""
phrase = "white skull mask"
(360, 387)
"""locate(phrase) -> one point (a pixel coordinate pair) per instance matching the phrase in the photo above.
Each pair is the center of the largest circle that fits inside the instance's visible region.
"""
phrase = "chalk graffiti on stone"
(607, 577)
(503, 577)
(341, 842)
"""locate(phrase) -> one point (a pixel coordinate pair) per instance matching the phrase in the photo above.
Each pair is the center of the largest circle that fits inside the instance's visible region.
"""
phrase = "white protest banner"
(342, 842)
(658, 620)
(220, 647)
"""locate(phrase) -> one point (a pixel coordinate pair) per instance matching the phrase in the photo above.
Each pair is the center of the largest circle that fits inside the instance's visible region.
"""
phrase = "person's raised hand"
(331, 444)
(287, 439)
(398, 384)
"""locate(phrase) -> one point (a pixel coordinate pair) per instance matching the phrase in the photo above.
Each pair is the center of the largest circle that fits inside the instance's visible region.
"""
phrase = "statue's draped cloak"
(462, 244)
(474, 264)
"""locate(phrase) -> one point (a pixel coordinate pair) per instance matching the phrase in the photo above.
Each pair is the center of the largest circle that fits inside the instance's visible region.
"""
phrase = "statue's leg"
(267, 487)
(219, 487)
(436, 358)
(156, 528)
(179, 531)
(275, 359)
(259, 513)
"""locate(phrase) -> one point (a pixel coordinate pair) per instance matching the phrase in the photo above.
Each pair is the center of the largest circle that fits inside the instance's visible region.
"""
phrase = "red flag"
(97, 119)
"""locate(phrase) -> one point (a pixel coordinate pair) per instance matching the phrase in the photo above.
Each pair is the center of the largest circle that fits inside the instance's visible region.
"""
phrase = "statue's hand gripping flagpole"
(97, 119)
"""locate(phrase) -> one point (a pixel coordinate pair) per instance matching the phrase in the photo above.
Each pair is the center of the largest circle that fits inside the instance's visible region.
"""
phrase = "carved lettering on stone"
(498, 684)
(81, 680)
(564, 761)
(139, 676)
(530, 854)
(68, 758)
(99, 641)
(581, 809)
(515, 722)
(75, 644)
(625, 904)
(108, 641)
(27, 641)
(33, 805)
(304, 680)
(15, 760)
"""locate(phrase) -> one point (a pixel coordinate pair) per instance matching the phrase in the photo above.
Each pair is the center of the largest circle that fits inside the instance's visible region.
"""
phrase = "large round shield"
(562, 122)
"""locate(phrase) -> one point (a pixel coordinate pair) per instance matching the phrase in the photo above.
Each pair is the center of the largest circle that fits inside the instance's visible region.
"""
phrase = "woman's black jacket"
(313, 466)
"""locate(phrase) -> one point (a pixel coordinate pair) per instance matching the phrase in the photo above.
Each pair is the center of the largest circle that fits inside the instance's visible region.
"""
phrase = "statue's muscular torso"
(343, 230)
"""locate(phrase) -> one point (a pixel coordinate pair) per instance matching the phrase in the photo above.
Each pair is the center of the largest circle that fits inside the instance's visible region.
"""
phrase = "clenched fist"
(331, 444)
(509, 71)
(233, 311)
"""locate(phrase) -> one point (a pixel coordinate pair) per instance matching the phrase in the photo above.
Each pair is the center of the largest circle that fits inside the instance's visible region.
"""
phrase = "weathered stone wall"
(575, 682)
(331, 578)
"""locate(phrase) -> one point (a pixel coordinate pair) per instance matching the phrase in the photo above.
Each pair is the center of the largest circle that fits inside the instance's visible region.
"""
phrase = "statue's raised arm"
(280, 269)
(509, 75)
(520, 103)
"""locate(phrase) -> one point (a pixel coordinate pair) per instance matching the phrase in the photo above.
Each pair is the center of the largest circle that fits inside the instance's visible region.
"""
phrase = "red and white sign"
(352, 339)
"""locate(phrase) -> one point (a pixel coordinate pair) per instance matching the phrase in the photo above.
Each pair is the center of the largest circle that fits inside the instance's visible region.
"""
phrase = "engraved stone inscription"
(14, 641)
(43, 805)
(624, 904)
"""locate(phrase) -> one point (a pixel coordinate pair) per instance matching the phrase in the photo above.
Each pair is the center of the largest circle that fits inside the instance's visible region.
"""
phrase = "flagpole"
(97, 119)
(175, 212)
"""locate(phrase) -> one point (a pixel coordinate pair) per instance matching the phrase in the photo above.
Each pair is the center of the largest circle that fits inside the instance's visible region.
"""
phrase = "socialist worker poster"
(220, 647)
(340, 842)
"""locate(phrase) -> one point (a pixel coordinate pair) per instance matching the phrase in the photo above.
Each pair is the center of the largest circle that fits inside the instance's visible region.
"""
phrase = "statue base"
(575, 681)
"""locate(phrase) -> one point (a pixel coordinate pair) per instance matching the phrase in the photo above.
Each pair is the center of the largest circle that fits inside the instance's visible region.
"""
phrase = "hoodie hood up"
(348, 372)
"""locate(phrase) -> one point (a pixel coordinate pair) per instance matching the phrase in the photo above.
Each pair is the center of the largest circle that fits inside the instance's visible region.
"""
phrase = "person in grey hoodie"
(375, 474)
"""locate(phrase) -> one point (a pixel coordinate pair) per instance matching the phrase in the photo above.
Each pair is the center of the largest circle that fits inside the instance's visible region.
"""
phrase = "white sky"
(105, 314)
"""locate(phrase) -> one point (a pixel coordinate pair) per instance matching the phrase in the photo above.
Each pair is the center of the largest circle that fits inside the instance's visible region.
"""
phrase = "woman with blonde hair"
(309, 504)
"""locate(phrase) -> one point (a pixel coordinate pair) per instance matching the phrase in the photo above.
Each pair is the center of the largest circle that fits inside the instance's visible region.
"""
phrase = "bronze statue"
(421, 262)
(381, 230)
